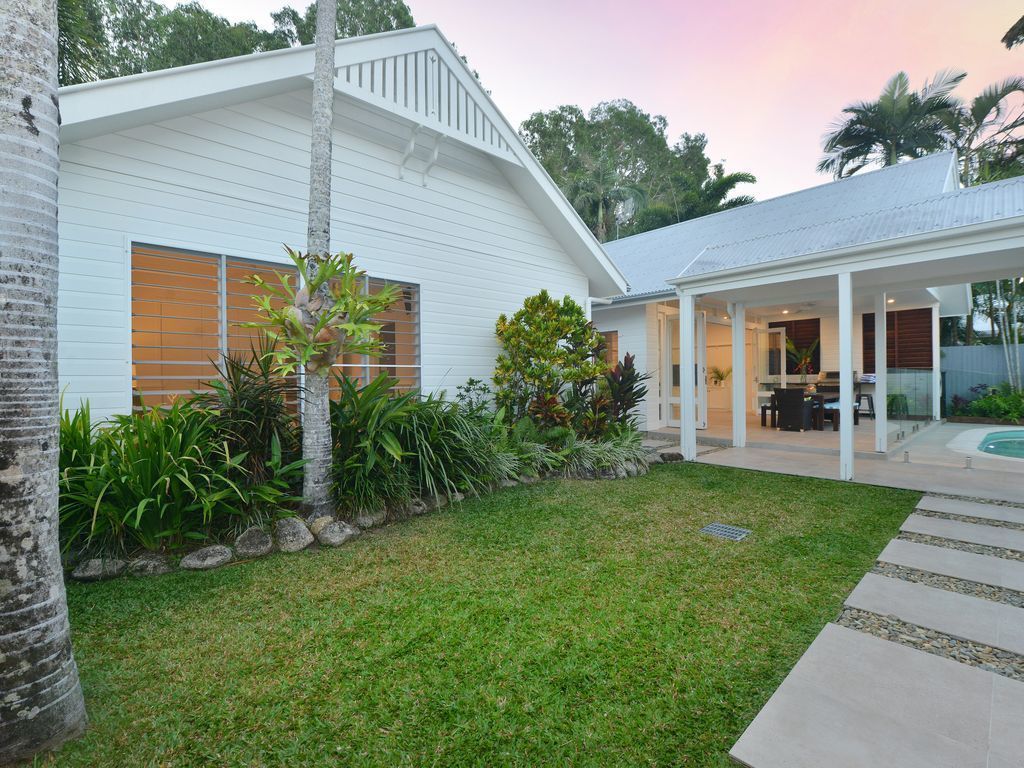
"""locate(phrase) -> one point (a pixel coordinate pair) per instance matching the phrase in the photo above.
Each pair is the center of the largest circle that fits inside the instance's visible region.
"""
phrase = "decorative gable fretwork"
(423, 87)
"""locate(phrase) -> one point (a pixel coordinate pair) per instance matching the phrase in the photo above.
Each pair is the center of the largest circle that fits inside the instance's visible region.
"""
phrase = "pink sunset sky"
(762, 79)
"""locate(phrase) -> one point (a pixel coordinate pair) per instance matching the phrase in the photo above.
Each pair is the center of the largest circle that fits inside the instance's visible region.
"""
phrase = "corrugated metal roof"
(650, 259)
(973, 205)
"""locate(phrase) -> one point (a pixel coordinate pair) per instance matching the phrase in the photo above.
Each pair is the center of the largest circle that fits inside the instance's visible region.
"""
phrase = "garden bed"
(558, 623)
(983, 420)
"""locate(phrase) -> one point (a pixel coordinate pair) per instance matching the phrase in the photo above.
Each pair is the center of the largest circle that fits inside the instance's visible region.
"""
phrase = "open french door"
(672, 376)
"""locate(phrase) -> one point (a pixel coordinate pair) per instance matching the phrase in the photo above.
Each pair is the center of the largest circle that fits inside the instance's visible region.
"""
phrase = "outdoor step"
(985, 569)
(962, 616)
(974, 533)
(855, 700)
(972, 509)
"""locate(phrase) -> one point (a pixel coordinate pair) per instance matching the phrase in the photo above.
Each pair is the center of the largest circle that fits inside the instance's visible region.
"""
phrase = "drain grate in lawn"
(723, 531)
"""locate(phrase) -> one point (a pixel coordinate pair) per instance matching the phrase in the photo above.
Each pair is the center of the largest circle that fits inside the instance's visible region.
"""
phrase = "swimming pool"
(1009, 443)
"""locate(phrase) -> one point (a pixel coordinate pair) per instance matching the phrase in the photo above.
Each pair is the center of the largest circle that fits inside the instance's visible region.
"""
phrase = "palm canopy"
(598, 189)
(989, 129)
(901, 123)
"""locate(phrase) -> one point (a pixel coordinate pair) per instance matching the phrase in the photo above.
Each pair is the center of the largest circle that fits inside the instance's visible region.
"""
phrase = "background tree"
(1014, 35)
(112, 38)
(42, 704)
(987, 133)
(355, 17)
(615, 164)
(900, 124)
(597, 189)
(82, 41)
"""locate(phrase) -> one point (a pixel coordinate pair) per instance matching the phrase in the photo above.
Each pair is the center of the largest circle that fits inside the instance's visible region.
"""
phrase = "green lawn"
(566, 623)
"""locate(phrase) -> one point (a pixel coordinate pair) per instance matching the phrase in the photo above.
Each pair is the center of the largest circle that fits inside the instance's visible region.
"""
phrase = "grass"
(568, 623)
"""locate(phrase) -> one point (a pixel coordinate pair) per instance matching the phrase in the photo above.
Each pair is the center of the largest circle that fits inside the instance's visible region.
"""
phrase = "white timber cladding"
(638, 329)
(234, 181)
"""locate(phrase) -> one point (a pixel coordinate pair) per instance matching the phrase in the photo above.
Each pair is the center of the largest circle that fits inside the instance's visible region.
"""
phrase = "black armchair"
(796, 414)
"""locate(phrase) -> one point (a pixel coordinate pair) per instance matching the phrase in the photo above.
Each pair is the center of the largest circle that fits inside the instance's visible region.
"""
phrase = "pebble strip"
(951, 584)
(969, 519)
(963, 546)
(985, 657)
(978, 499)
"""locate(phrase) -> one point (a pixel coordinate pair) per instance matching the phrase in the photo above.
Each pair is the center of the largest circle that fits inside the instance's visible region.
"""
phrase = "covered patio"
(869, 264)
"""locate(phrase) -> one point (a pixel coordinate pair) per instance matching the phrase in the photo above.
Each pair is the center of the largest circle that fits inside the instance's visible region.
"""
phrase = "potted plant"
(802, 357)
(718, 376)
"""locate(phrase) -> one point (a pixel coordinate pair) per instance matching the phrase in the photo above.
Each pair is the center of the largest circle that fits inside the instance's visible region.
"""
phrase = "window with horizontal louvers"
(190, 308)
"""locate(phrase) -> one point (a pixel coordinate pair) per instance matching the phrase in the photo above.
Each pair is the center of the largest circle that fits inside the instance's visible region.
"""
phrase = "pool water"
(1009, 443)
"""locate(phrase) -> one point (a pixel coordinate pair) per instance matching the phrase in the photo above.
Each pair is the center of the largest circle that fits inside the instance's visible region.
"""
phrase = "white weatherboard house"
(726, 291)
(177, 185)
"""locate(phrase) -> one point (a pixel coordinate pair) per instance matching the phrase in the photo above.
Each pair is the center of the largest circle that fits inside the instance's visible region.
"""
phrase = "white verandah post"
(739, 375)
(845, 376)
(936, 365)
(881, 376)
(687, 389)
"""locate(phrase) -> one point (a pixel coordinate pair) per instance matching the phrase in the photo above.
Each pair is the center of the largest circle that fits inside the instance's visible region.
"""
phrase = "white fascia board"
(912, 249)
(94, 108)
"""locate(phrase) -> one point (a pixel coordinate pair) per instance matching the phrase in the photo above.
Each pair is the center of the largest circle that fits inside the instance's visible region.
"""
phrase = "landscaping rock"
(528, 479)
(671, 456)
(206, 558)
(335, 533)
(292, 534)
(630, 468)
(149, 565)
(371, 519)
(254, 542)
(418, 507)
(508, 482)
(456, 497)
(319, 524)
(655, 458)
(98, 569)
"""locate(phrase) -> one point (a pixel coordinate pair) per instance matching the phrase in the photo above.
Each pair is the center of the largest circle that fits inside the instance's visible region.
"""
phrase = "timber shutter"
(908, 339)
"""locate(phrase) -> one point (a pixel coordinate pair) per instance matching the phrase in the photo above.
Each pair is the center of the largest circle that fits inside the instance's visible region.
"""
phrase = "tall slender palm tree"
(41, 701)
(900, 124)
(316, 418)
(597, 190)
(988, 128)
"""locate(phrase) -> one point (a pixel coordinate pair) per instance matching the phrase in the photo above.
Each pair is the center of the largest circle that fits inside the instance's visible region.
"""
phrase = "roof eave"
(840, 255)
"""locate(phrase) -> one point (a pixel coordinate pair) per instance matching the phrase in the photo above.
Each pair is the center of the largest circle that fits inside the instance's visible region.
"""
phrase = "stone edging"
(293, 534)
(996, 660)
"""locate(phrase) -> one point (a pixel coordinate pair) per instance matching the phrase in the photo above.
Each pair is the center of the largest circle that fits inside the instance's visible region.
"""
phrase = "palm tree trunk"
(316, 418)
(41, 701)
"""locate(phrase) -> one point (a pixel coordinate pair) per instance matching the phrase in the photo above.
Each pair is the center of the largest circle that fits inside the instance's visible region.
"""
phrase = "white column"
(881, 376)
(739, 375)
(687, 391)
(936, 365)
(845, 376)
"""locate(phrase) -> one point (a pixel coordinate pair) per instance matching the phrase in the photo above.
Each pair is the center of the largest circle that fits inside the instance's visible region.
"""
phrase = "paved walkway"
(925, 667)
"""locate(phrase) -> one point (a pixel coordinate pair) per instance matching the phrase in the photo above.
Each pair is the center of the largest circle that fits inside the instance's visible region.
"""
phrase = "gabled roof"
(652, 258)
(414, 74)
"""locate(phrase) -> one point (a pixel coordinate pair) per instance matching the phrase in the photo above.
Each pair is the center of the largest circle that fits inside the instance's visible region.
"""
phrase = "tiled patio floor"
(934, 466)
